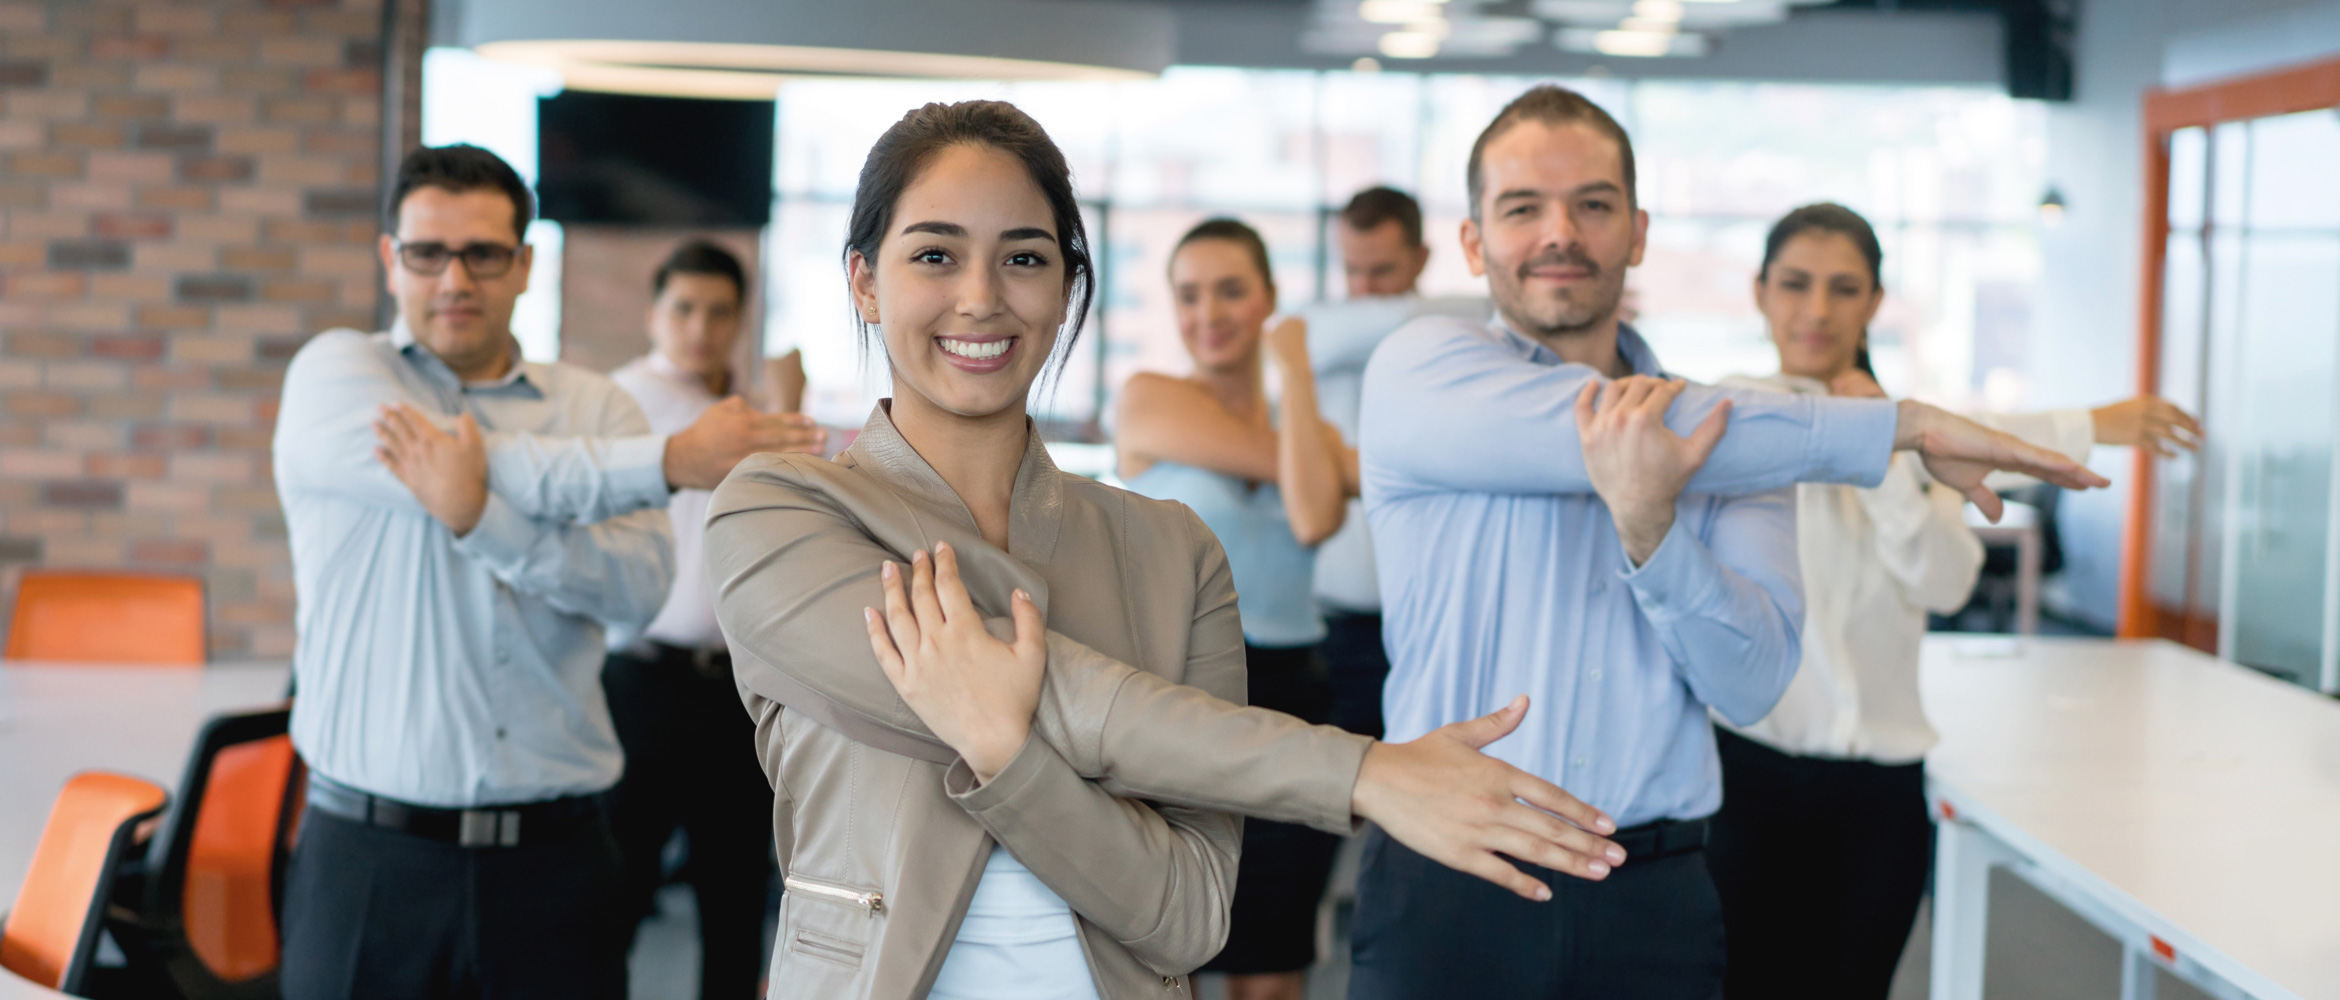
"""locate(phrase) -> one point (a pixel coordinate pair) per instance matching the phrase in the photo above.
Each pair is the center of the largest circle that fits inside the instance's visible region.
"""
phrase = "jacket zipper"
(874, 902)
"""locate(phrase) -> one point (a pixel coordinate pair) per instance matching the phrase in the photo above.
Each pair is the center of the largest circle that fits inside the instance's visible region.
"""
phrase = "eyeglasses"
(480, 260)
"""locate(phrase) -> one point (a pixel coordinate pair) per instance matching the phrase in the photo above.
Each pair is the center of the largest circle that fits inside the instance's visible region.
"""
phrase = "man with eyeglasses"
(465, 525)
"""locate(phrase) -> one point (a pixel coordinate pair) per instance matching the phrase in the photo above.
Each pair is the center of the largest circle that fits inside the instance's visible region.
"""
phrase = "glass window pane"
(1209, 136)
(2291, 171)
(2230, 153)
(2189, 163)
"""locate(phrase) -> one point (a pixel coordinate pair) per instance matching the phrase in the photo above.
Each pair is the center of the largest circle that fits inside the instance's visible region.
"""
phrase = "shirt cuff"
(1852, 439)
(502, 537)
(637, 471)
(1675, 579)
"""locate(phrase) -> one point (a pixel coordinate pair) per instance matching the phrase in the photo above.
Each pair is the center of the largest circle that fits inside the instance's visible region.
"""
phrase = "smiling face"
(1554, 232)
(968, 284)
(465, 319)
(1817, 299)
(1223, 303)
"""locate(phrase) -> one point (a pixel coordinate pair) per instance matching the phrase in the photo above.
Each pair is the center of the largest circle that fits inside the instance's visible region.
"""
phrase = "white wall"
(2087, 336)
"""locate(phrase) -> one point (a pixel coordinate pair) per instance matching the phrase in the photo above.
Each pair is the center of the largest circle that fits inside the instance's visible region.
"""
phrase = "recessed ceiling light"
(1409, 45)
(1400, 11)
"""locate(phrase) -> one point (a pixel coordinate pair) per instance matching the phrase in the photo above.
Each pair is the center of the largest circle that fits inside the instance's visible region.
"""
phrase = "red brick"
(223, 50)
(127, 347)
(98, 317)
(211, 349)
(44, 404)
(129, 166)
(131, 225)
(23, 253)
(270, 318)
(258, 23)
(88, 135)
(160, 317)
(256, 439)
(206, 408)
(85, 494)
(43, 163)
(297, 50)
(21, 135)
(216, 168)
(44, 285)
(63, 224)
(24, 15)
(249, 380)
(255, 80)
(169, 437)
(149, 287)
(167, 497)
(297, 291)
(92, 19)
(171, 551)
(253, 139)
(132, 107)
(261, 200)
(93, 77)
(347, 143)
(342, 81)
(211, 467)
(80, 375)
(183, 198)
(129, 47)
(23, 194)
(176, 78)
(172, 257)
(175, 19)
(27, 463)
(270, 258)
(171, 378)
(126, 405)
(51, 105)
(216, 110)
(115, 466)
(311, 110)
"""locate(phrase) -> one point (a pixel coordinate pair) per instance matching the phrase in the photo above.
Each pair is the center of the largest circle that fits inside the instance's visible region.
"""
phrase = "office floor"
(2038, 951)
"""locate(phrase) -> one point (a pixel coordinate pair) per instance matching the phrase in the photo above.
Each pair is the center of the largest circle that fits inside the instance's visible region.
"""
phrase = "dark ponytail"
(1830, 217)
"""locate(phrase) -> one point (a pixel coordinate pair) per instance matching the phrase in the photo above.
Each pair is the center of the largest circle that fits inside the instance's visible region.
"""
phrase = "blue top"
(1274, 574)
(1501, 572)
(1018, 942)
(463, 672)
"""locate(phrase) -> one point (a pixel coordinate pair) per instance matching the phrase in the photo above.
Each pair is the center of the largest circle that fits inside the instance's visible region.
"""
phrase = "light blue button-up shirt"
(464, 672)
(1501, 571)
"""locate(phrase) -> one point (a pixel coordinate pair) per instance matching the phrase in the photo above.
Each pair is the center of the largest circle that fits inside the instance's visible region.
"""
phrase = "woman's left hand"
(976, 692)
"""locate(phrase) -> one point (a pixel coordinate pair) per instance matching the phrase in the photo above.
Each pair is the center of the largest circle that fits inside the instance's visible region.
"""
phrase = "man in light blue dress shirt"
(464, 524)
(1550, 516)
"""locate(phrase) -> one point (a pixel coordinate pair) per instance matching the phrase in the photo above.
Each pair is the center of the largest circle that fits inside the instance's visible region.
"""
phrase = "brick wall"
(188, 190)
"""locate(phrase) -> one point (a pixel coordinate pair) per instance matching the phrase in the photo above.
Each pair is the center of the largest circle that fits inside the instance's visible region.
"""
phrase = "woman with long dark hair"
(993, 699)
(1833, 776)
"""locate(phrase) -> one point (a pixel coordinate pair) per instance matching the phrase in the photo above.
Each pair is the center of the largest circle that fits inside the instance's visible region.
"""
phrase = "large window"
(1950, 177)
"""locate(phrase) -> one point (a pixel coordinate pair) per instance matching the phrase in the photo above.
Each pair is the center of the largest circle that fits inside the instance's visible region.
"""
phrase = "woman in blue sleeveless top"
(1270, 490)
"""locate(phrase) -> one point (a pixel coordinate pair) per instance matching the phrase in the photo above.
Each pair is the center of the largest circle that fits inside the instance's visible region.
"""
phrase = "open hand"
(2148, 422)
(1463, 809)
(975, 692)
(446, 472)
(1958, 453)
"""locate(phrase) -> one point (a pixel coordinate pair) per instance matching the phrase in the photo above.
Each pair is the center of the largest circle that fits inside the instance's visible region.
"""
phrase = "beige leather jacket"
(1140, 740)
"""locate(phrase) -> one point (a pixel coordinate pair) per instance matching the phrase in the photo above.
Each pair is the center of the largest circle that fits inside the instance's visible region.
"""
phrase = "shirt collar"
(659, 365)
(1639, 358)
(522, 377)
(1035, 508)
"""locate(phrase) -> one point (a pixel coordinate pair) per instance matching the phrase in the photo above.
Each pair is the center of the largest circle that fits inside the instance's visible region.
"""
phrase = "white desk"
(2187, 806)
(56, 720)
(2018, 526)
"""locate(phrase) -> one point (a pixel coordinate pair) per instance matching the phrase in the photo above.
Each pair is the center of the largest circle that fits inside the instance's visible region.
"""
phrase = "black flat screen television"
(621, 159)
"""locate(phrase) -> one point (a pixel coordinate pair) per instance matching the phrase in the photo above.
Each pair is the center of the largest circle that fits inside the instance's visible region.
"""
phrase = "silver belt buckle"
(488, 828)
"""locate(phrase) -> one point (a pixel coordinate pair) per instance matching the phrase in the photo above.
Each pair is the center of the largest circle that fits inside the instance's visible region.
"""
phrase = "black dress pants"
(1359, 666)
(1651, 931)
(371, 912)
(1821, 864)
(691, 765)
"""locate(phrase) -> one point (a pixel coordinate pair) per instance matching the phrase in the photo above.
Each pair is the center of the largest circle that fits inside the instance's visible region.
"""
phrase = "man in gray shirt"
(464, 524)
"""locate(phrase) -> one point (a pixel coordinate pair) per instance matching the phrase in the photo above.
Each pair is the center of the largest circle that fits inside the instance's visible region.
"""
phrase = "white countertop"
(2202, 793)
(60, 719)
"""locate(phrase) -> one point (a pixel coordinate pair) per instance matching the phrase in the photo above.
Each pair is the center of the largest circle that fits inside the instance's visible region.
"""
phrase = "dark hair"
(700, 257)
(459, 168)
(1830, 217)
(1376, 205)
(897, 157)
(1550, 104)
(1236, 232)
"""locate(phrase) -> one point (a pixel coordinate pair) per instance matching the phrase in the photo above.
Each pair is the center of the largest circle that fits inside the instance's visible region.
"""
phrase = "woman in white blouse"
(1833, 775)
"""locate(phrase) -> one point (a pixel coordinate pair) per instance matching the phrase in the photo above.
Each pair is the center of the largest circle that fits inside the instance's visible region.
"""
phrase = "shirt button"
(1582, 761)
(1596, 674)
(499, 732)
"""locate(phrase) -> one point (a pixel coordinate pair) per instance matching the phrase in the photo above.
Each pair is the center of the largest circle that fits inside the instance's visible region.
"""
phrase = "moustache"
(1575, 256)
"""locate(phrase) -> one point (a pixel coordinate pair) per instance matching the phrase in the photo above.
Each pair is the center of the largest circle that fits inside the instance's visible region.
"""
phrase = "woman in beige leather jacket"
(952, 742)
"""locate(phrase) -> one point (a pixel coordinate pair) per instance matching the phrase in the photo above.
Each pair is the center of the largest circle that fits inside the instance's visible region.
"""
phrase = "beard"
(1560, 312)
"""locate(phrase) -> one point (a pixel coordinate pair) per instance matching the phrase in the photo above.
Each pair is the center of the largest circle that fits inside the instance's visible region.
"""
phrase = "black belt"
(1662, 839)
(517, 825)
(710, 663)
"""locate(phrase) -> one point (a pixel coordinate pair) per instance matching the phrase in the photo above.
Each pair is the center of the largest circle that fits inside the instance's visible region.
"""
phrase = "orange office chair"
(51, 934)
(215, 872)
(96, 617)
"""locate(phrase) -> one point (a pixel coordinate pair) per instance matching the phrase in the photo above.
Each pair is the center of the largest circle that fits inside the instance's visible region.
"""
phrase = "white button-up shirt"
(672, 399)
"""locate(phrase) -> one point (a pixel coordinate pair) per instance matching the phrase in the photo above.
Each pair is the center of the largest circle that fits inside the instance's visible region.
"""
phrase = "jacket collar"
(1035, 509)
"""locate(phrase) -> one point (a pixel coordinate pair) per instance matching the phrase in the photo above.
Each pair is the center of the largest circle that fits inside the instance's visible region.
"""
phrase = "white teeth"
(975, 350)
